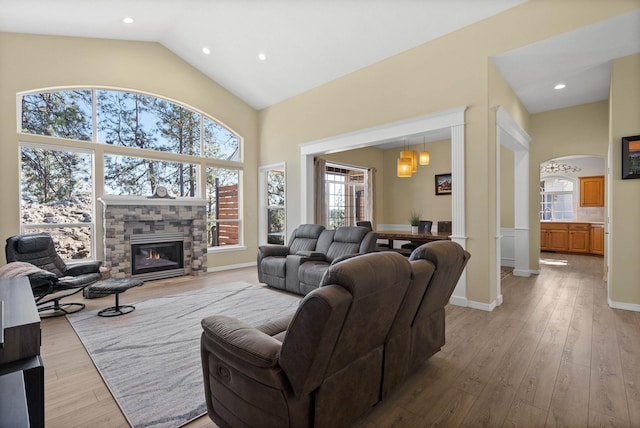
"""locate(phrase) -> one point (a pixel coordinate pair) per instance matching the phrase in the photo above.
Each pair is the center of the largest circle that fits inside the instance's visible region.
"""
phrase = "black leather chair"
(63, 280)
(368, 225)
(425, 226)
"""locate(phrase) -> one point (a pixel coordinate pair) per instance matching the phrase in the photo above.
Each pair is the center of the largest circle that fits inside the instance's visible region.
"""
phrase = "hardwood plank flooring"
(553, 354)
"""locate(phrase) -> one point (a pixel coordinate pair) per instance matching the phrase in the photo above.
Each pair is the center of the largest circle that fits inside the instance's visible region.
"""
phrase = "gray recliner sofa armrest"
(311, 256)
(242, 341)
(273, 250)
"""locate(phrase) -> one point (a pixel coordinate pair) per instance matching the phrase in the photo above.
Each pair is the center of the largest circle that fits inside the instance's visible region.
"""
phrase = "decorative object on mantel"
(553, 167)
(414, 221)
(443, 184)
(631, 157)
(161, 192)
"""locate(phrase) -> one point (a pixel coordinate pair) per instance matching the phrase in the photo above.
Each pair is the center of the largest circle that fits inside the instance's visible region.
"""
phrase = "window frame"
(263, 217)
(27, 227)
(102, 149)
(573, 193)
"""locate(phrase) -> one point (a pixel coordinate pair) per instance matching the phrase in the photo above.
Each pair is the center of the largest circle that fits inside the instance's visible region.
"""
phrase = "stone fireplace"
(166, 237)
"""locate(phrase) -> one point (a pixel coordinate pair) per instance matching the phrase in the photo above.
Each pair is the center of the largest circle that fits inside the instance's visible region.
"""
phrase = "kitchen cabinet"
(579, 238)
(554, 236)
(597, 239)
(592, 191)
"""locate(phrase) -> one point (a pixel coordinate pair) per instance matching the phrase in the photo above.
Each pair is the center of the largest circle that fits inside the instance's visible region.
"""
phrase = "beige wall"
(579, 130)
(30, 62)
(445, 73)
(624, 286)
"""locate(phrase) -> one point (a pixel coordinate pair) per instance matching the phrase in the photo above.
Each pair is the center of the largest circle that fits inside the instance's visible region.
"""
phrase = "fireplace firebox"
(157, 255)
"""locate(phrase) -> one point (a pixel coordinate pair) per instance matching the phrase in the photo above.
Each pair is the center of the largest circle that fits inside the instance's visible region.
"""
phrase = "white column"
(458, 217)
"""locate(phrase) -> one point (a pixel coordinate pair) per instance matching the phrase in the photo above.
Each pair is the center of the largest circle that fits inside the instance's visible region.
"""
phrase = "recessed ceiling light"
(206, 51)
(262, 56)
(560, 86)
(127, 20)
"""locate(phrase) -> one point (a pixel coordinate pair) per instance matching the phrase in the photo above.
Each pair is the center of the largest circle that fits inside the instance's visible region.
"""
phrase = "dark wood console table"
(21, 368)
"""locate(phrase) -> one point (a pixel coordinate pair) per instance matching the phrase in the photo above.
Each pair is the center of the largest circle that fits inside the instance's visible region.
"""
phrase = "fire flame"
(153, 254)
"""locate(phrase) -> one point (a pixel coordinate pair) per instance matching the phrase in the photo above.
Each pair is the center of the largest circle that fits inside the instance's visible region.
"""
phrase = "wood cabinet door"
(558, 240)
(597, 240)
(592, 191)
(579, 241)
(544, 240)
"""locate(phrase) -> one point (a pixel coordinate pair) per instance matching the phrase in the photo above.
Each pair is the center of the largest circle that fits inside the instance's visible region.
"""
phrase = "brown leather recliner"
(419, 329)
(321, 368)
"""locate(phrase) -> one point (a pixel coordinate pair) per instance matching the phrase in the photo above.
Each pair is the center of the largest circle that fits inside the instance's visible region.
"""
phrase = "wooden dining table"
(403, 235)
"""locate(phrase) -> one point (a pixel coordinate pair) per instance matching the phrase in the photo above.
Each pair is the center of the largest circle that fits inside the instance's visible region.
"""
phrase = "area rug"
(150, 358)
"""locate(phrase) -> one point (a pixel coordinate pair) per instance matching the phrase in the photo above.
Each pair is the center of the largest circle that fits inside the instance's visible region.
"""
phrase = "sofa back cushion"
(305, 238)
(346, 240)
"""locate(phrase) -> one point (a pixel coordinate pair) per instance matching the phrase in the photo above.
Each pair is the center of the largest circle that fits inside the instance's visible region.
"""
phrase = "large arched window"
(144, 142)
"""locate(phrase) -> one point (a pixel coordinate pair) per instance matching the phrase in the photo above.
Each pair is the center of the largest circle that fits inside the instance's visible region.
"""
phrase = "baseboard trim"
(230, 267)
(488, 307)
(522, 272)
(625, 306)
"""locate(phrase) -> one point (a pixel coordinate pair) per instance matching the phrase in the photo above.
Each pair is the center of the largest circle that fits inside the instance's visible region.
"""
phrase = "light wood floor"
(553, 354)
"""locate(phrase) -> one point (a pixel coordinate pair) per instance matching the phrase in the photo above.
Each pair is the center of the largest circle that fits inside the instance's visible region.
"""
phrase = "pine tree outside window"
(146, 141)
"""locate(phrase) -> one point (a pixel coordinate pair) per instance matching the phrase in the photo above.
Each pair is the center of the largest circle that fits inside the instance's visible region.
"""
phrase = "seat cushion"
(310, 273)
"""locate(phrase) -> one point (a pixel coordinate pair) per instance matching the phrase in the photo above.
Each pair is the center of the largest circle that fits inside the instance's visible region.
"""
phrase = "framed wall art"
(631, 157)
(443, 184)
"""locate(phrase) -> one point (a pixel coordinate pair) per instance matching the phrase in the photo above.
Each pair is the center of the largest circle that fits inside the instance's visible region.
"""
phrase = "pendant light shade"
(404, 166)
(414, 159)
(424, 158)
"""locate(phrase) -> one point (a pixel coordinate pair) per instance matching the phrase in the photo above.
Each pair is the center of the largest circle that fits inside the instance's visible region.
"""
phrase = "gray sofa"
(350, 344)
(299, 267)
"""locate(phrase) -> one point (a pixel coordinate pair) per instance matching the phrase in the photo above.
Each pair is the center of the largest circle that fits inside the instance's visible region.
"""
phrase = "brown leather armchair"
(419, 329)
(323, 367)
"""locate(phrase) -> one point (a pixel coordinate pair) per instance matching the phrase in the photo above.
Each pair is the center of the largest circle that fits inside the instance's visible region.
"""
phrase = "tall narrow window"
(275, 206)
(57, 198)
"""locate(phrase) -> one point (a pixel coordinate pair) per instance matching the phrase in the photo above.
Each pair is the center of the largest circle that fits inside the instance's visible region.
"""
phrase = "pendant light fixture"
(424, 154)
(404, 167)
(406, 153)
(405, 163)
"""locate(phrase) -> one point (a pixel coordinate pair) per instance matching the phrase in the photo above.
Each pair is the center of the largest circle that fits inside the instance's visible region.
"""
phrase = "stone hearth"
(124, 217)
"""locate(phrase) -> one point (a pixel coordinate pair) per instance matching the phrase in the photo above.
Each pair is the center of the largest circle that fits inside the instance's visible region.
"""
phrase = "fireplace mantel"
(142, 201)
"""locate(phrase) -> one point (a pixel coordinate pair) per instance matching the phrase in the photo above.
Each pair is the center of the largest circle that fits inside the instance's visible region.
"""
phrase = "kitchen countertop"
(573, 221)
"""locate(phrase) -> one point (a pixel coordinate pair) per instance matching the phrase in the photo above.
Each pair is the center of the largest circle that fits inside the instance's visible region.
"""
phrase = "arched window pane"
(219, 142)
(63, 114)
(135, 120)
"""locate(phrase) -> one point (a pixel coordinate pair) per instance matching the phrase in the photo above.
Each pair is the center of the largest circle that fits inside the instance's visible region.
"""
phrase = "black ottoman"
(114, 286)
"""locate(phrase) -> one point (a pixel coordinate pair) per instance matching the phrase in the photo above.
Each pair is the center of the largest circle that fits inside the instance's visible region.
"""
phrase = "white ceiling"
(311, 42)
(581, 59)
(308, 42)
